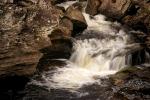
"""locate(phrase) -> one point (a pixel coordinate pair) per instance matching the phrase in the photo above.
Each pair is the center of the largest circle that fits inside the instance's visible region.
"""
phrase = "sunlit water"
(103, 53)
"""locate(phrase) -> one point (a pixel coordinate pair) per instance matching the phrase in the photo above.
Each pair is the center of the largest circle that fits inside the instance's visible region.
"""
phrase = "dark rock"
(61, 48)
(132, 83)
(133, 13)
(59, 33)
(139, 21)
(49, 64)
(77, 18)
(110, 8)
(82, 0)
(61, 10)
(66, 22)
(92, 6)
(60, 1)
(11, 87)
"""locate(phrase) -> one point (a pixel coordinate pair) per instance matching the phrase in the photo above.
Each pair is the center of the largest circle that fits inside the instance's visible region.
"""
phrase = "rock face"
(24, 28)
(74, 13)
(60, 1)
(138, 16)
(131, 12)
(71, 23)
(110, 8)
(132, 83)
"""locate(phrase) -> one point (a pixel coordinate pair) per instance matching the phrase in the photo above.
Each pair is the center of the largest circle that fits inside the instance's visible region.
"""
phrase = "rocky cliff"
(24, 29)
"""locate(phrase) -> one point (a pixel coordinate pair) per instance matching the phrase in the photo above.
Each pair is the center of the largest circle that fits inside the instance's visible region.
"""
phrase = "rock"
(132, 83)
(110, 8)
(64, 29)
(61, 48)
(61, 10)
(140, 20)
(50, 64)
(60, 1)
(92, 7)
(82, 0)
(75, 14)
(24, 29)
(59, 33)
(121, 77)
(66, 22)
(134, 13)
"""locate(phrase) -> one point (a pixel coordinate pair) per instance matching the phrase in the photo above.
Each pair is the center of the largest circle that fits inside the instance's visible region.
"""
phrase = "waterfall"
(99, 51)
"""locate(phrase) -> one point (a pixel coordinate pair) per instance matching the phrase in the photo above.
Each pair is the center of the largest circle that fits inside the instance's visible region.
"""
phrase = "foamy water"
(66, 4)
(92, 58)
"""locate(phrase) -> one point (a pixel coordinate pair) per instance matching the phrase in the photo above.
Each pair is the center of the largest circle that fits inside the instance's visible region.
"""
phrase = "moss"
(121, 76)
(128, 70)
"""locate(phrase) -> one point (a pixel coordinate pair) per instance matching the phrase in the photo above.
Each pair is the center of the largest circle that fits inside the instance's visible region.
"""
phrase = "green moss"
(128, 70)
(124, 73)
(146, 10)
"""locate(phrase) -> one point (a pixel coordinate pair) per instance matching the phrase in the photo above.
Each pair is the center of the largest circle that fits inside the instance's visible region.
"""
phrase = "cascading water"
(101, 50)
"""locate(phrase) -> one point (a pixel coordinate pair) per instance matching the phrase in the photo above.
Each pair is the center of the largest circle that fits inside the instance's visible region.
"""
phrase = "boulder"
(132, 83)
(139, 20)
(134, 13)
(61, 49)
(60, 1)
(66, 22)
(59, 33)
(74, 13)
(92, 7)
(24, 29)
(110, 8)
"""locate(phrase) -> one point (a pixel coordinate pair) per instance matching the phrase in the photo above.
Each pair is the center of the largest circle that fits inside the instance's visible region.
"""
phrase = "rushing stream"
(101, 50)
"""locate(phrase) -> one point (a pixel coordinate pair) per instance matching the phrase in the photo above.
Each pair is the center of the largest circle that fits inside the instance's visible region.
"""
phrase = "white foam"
(92, 58)
(66, 4)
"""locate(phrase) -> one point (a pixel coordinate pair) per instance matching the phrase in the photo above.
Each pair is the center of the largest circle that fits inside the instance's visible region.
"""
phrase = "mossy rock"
(121, 76)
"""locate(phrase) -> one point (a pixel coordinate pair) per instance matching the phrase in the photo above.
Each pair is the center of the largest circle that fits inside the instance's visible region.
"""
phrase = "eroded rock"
(130, 12)
(132, 83)
(24, 29)
(110, 8)
(74, 12)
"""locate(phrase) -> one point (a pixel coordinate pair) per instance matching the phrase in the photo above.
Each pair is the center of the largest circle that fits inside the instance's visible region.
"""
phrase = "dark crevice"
(113, 1)
(133, 10)
(11, 86)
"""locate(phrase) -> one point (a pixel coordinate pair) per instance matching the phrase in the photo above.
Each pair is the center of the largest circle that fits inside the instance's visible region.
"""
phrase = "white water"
(66, 4)
(92, 58)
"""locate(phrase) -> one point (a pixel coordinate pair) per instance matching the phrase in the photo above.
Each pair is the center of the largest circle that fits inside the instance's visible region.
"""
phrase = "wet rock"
(139, 20)
(110, 8)
(10, 89)
(82, 0)
(2, 2)
(61, 48)
(60, 1)
(75, 14)
(92, 6)
(121, 76)
(134, 13)
(66, 22)
(64, 29)
(59, 33)
(24, 29)
(132, 83)
(49, 64)
(61, 10)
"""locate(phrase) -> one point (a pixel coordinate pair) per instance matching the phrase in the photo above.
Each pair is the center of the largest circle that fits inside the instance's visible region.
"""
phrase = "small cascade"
(103, 49)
